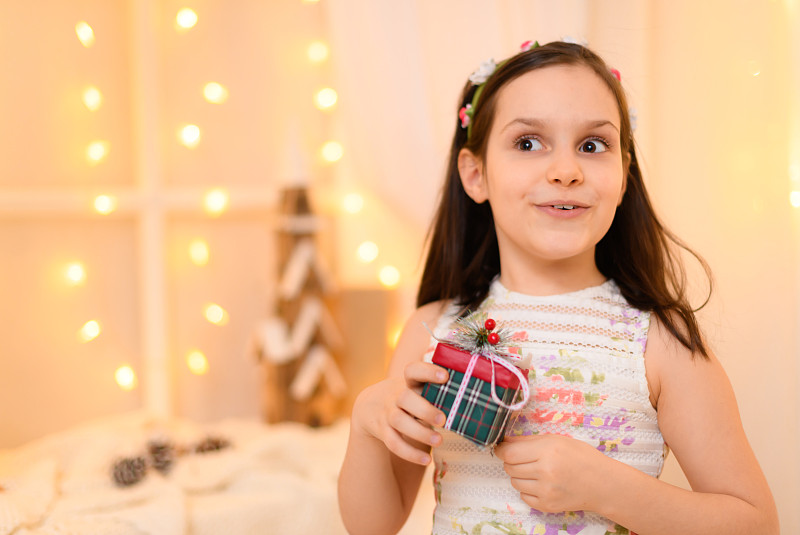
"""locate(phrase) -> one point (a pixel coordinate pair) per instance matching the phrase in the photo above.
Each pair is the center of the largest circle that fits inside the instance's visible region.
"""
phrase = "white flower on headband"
(483, 73)
(634, 117)
(572, 40)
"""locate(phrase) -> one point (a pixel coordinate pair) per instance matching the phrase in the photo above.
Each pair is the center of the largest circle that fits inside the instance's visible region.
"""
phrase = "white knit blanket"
(278, 479)
(272, 480)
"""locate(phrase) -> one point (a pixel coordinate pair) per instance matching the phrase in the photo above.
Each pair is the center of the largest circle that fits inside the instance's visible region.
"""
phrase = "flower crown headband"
(488, 67)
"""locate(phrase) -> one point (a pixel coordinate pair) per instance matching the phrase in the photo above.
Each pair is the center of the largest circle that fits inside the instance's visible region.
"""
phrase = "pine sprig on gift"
(478, 334)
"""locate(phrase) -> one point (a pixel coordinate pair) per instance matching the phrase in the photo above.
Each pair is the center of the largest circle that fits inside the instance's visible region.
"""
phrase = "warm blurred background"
(148, 147)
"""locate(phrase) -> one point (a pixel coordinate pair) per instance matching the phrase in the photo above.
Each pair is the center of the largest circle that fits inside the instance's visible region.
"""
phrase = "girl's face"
(554, 171)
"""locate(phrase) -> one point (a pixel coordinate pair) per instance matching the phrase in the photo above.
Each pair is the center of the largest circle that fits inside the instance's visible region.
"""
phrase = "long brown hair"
(637, 252)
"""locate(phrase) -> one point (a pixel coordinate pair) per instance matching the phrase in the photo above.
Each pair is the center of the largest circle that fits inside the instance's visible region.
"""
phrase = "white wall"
(715, 84)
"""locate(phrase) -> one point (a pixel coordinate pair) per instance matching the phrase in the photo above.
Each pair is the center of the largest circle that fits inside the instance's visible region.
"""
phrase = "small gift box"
(483, 388)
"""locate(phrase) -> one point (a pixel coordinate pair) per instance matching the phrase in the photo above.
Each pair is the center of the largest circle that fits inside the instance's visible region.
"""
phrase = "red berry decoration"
(493, 338)
(490, 325)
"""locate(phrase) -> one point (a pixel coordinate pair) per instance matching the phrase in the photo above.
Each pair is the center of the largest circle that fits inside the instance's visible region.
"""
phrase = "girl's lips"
(551, 210)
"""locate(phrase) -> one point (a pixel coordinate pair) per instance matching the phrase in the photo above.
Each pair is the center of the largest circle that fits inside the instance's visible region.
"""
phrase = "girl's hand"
(394, 412)
(553, 473)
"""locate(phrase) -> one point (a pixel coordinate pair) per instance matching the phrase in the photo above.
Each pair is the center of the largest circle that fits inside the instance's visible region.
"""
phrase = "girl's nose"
(564, 169)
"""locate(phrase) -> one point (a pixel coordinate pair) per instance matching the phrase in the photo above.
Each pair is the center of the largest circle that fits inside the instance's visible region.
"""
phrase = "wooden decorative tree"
(298, 343)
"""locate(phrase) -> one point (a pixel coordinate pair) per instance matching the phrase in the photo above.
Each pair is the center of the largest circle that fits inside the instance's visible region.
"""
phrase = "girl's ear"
(470, 169)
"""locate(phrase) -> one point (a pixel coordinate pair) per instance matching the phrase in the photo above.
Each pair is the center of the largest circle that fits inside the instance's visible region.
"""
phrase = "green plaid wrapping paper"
(478, 418)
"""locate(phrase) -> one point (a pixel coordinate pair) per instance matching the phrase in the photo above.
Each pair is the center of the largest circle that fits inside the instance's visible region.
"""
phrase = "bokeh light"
(92, 98)
(197, 362)
(389, 276)
(125, 377)
(85, 33)
(105, 204)
(317, 51)
(90, 330)
(199, 252)
(332, 151)
(186, 19)
(75, 273)
(367, 252)
(216, 201)
(215, 93)
(325, 98)
(353, 203)
(216, 314)
(97, 151)
(189, 135)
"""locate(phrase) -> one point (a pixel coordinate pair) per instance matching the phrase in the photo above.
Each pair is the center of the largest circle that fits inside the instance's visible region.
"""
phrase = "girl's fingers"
(418, 373)
(413, 429)
(420, 408)
(398, 445)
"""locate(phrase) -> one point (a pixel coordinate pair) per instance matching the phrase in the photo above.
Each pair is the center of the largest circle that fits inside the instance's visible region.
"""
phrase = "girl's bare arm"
(391, 437)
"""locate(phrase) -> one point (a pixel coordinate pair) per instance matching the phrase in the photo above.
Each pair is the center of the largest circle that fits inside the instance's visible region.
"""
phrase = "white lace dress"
(587, 381)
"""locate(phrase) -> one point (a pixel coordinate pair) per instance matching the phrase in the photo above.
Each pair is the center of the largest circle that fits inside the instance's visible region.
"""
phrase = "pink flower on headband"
(616, 74)
(465, 114)
(527, 45)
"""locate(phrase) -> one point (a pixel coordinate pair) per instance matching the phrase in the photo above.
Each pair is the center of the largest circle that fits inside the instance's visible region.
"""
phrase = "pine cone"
(162, 455)
(211, 443)
(129, 471)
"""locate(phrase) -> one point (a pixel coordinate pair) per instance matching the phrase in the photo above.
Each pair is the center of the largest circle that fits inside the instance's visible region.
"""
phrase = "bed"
(254, 478)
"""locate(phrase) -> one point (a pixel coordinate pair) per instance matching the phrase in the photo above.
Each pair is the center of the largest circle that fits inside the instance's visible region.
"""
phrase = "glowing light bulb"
(197, 362)
(367, 252)
(794, 198)
(125, 377)
(317, 52)
(105, 204)
(325, 98)
(353, 203)
(185, 19)
(332, 151)
(75, 273)
(216, 201)
(215, 93)
(216, 314)
(389, 276)
(189, 135)
(97, 151)
(92, 98)
(89, 331)
(85, 33)
(198, 252)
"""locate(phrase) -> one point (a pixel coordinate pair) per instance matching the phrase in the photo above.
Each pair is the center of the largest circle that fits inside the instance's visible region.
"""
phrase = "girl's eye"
(528, 144)
(594, 146)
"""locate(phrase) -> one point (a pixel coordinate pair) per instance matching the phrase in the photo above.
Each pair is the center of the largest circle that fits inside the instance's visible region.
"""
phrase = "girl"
(545, 225)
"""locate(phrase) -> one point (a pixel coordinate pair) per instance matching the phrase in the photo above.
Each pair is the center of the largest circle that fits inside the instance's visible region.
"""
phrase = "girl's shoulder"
(667, 360)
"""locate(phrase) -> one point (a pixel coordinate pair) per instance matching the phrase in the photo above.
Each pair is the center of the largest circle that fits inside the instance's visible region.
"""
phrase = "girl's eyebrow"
(539, 123)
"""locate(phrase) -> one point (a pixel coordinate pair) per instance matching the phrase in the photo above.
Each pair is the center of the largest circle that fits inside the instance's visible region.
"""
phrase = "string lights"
(85, 33)
(215, 201)
(185, 19)
(105, 204)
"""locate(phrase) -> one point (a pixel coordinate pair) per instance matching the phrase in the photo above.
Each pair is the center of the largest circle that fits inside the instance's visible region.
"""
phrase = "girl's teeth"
(564, 206)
